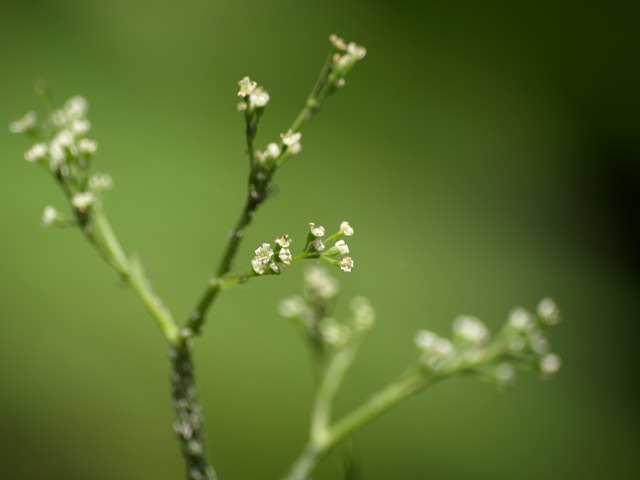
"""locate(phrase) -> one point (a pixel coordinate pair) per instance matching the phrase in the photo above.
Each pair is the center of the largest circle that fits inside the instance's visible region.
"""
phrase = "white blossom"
(284, 241)
(471, 330)
(356, 51)
(76, 107)
(292, 307)
(101, 182)
(273, 149)
(333, 333)
(247, 86)
(548, 312)
(24, 124)
(35, 153)
(82, 200)
(337, 42)
(363, 313)
(57, 156)
(259, 97)
(550, 364)
(262, 259)
(520, 320)
(316, 231)
(285, 256)
(81, 127)
(49, 216)
(317, 245)
(320, 284)
(346, 229)
(88, 146)
(292, 141)
(346, 264)
(342, 247)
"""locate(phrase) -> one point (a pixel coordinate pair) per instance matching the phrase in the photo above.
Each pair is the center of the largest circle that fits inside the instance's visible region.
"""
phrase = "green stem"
(189, 426)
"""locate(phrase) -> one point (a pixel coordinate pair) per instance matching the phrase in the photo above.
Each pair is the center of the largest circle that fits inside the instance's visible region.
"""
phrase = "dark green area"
(487, 154)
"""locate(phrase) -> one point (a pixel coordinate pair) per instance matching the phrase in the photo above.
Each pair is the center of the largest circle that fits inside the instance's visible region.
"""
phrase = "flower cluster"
(272, 260)
(345, 56)
(254, 96)
(313, 311)
(317, 245)
(63, 148)
(521, 343)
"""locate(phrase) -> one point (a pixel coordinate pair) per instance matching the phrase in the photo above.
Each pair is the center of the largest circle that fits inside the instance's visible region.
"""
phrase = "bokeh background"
(487, 154)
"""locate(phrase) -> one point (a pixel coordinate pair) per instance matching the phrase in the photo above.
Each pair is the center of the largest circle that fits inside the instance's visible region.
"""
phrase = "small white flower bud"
(316, 231)
(333, 333)
(101, 182)
(82, 200)
(363, 313)
(346, 264)
(24, 124)
(520, 320)
(76, 107)
(49, 216)
(317, 245)
(346, 229)
(273, 149)
(284, 241)
(550, 364)
(87, 146)
(505, 374)
(35, 153)
(247, 86)
(259, 98)
(81, 127)
(319, 283)
(471, 330)
(548, 312)
(292, 307)
(292, 141)
(342, 247)
(285, 256)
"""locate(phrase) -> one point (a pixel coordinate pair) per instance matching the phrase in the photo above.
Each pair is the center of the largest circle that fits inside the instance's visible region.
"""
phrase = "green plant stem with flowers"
(63, 149)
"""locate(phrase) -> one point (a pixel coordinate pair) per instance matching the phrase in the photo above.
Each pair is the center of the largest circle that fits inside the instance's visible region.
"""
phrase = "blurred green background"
(487, 154)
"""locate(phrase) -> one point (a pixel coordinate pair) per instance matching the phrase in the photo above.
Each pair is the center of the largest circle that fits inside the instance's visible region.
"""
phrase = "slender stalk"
(189, 426)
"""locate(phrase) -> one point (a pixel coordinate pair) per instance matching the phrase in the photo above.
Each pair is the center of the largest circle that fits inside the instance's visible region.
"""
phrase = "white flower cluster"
(66, 131)
(272, 260)
(314, 311)
(345, 57)
(292, 141)
(340, 247)
(435, 350)
(254, 96)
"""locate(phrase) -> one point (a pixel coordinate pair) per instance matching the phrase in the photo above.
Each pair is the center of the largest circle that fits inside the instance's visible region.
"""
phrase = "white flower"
(49, 216)
(76, 107)
(81, 127)
(538, 342)
(259, 97)
(436, 350)
(101, 182)
(88, 146)
(285, 256)
(550, 364)
(320, 284)
(337, 42)
(317, 245)
(342, 247)
(275, 268)
(471, 330)
(82, 200)
(356, 51)
(262, 260)
(292, 307)
(333, 333)
(520, 320)
(57, 156)
(35, 153)
(363, 313)
(246, 87)
(284, 241)
(273, 149)
(316, 231)
(346, 264)
(292, 141)
(346, 229)
(548, 312)
(24, 124)
(64, 139)
(291, 138)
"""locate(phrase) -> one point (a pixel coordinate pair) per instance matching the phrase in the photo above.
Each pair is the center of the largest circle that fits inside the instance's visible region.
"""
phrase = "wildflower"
(520, 320)
(316, 231)
(285, 256)
(346, 264)
(320, 284)
(262, 259)
(82, 200)
(35, 153)
(548, 312)
(363, 313)
(24, 124)
(284, 241)
(292, 141)
(346, 229)
(356, 51)
(550, 364)
(333, 333)
(81, 127)
(436, 350)
(259, 98)
(292, 307)
(76, 107)
(101, 182)
(247, 86)
(88, 146)
(471, 330)
(49, 216)
(317, 245)
(342, 247)
(337, 42)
